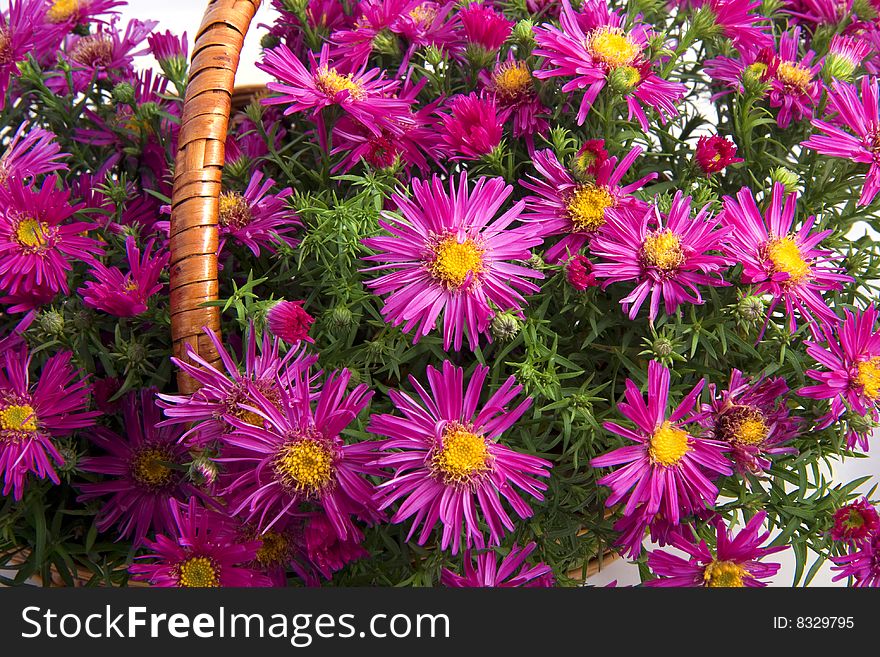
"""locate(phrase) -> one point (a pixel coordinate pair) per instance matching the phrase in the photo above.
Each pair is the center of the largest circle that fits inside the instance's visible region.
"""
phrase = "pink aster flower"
(71, 13)
(23, 32)
(668, 256)
(168, 48)
(849, 352)
(324, 552)
(738, 24)
(37, 243)
(202, 550)
(667, 470)
(257, 218)
(794, 84)
(484, 26)
(225, 392)
(364, 95)
(427, 24)
(511, 572)
(472, 128)
(780, 260)
(819, 12)
(512, 85)
(125, 295)
(449, 463)
(296, 456)
(287, 320)
(845, 55)
(580, 273)
(861, 563)
(32, 414)
(31, 153)
(138, 466)
(855, 522)
(735, 562)
(449, 255)
(862, 143)
(595, 46)
(565, 206)
(715, 154)
(355, 39)
(752, 417)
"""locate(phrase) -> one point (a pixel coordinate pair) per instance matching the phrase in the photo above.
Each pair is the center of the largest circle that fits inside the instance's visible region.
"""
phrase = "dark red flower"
(715, 153)
(579, 273)
(855, 522)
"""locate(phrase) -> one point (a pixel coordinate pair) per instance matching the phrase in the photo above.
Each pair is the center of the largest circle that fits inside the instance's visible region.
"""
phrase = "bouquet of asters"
(507, 287)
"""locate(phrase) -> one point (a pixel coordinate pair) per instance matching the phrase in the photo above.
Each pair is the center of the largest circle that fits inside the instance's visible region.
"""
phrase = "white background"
(185, 15)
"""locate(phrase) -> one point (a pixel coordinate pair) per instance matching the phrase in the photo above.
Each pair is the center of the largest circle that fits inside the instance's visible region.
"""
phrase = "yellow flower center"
(629, 76)
(751, 431)
(32, 233)
(149, 466)
(756, 70)
(727, 574)
(462, 457)
(331, 83)
(785, 255)
(668, 445)
(93, 50)
(235, 211)
(586, 208)
(455, 262)
(424, 14)
(274, 550)
(305, 466)
(512, 81)
(198, 572)
(5, 55)
(794, 75)
(612, 47)
(663, 251)
(61, 10)
(18, 418)
(869, 377)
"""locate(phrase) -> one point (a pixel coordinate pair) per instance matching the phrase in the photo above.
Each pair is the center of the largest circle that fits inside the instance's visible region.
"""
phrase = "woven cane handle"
(197, 177)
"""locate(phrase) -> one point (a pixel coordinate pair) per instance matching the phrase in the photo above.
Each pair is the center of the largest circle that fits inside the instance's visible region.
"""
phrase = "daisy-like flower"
(125, 295)
(737, 23)
(861, 563)
(226, 392)
(37, 244)
(324, 552)
(862, 143)
(140, 471)
(472, 128)
(752, 418)
(777, 259)
(855, 522)
(513, 87)
(667, 470)
(31, 153)
(296, 456)
(850, 355)
(448, 254)
(287, 320)
(668, 256)
(795, 87)
(845, 55)
(484, 26)
(427, 24)
(202, 550)
(354, 40)
(565, 206)
(449, 464)
(715, 153)
(71, 13)
(580, 273)
(735, 562)
(511, 572)
(819, 12)
(257, 218)
(594, 48)
(32, 414)
(23, 32)
(364, 95)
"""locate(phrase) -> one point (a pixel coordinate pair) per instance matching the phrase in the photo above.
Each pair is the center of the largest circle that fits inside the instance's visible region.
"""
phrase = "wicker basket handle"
(198, 171)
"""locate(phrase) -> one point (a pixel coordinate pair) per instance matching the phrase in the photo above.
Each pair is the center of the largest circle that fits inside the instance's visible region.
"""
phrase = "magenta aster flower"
(23, 32)
(287, 320)
(777, 259)
(668, 256)
(32, 414)
(139, 467)
(484, 26)
(296, 456)
(564, 206)
(511, 572)
(71, 13)
(472, 128)
(36, 245)
(201, 551)
(125, 295)
(845, 55)
(861, 563)
(226, 392)
(715, 154)
(667, 470)
(324, 552)
(738, 24)
(860, 115)
(449, 464)
(735, 562)
(819, 12)
(449, 254)
(365, 95)
(257, 218)
(855, 522)
(355, 39)
(751, 416)
(579, 272)
(794, 84)
(850, 354)
(427, 24)
(512, 85)
(168, 48)
(594, 47)
(31, 153)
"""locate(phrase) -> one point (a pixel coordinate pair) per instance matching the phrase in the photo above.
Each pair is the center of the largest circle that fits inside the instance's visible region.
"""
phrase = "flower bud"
(750, 309)
(123, 93)
(341, 317)
(203, 471)
(579, 273)
(524, 33)
(623, 79)
(505, 327)
(52, 322)
(662, 348)
(269, 41)
(788, 178)
(754, 79)
(386, 43)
